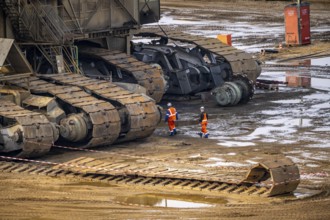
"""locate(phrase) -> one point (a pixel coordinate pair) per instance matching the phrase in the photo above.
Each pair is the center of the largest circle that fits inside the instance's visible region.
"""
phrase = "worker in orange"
(203, 121)
(170, 117)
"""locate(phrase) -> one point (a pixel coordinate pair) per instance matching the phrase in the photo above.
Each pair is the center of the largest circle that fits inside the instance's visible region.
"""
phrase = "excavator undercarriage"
(40, 110)
(194, 64)
(82, 73)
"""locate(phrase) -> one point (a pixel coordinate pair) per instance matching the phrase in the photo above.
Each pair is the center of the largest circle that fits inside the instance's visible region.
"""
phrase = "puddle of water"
(305, 194)
(288, 101)
(251, 162)
(231, 154)
(172, 201)
(220, 162)
(317, 97)
(325, 61)
(300, 122)
(235, 144)
(298, 78)
(211, 28)
(312, 165)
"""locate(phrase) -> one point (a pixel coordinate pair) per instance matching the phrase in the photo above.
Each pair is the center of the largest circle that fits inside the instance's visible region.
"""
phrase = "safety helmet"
(169, 104)
(202, 108)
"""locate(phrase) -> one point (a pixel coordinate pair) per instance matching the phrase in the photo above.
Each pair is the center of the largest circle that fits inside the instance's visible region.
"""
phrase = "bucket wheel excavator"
(46, 96)
(70, 75)
(75, 76)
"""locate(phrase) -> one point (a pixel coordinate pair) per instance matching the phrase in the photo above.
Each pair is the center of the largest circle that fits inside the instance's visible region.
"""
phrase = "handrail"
(43, 23)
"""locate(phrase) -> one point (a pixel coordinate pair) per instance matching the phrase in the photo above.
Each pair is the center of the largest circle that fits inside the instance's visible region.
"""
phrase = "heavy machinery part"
(231, 93)
(103, 118)
(112, 63)
(101, 123)
(204, 52)
(186, 69)
(142, 113)
(239, 90)
(284, 175)
(246, 86)
(240, 61)
(27, 131)
(68, 20)
(135, 88)
(46, 105)
(135, 116)
(15, 95)
(74, 128)
(237, 93)
(91, 169)
(164, 78)
(222, 96)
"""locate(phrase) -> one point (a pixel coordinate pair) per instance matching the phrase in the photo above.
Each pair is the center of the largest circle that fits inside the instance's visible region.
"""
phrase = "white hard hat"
(202, 108)
(169, 104)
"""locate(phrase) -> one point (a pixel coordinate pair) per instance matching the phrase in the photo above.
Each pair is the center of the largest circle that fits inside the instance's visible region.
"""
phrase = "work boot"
(206, 136)
(171, 134)
(200, 134)
(174, 130)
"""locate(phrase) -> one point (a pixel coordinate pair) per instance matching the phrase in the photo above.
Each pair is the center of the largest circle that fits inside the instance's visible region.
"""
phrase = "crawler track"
(37, 131)
(104, 116)
(145, 75)
(121, 173)
(95, 170)
(141, 113)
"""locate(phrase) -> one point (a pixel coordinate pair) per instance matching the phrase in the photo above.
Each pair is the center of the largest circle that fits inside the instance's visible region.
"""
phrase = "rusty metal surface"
(283, 174)
(240, 61)
(143, 115)
(37, 131)
(146, 75)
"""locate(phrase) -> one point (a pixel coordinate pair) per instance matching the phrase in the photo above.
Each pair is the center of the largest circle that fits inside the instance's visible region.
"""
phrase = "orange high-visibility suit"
(170, 117)
(203, 121)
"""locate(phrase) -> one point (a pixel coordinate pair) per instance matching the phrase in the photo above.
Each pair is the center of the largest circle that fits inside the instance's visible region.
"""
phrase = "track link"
(147, 76)
(37, 132)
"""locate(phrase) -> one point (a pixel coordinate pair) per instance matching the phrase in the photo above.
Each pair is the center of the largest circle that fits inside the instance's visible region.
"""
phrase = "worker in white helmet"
(203, 121)
(170, 117)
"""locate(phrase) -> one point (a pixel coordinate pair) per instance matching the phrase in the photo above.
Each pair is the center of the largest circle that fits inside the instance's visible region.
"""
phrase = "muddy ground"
(291, 122)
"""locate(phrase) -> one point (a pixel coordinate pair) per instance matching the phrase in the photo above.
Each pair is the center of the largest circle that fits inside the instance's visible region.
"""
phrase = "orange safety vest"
(204, 118)
(172, 115)
(204, 124)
